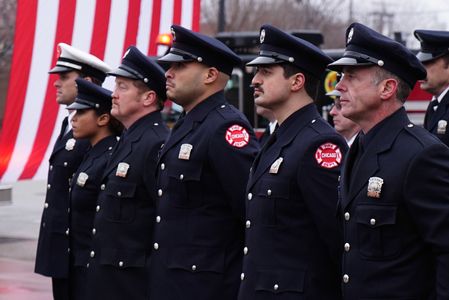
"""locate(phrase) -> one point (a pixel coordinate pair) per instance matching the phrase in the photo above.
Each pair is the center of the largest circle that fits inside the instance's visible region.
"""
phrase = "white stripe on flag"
(116, 37)
(143, 33)
(187, 13)
(47, 12)
(165, 22)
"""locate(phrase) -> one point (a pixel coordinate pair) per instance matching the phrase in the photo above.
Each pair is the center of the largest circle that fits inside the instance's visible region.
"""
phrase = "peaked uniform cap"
(277, 46)
(194, 46)
(366, 47)
(136, 65)
(73, 59)
(434, 44)
(91, 95)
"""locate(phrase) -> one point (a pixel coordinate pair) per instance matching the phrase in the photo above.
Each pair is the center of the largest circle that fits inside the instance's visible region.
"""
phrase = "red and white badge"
(237, 136)
(328, 155)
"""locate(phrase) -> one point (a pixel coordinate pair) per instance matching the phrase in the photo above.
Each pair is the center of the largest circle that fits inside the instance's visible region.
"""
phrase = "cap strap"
(276, 55)
(358, 55)
(88, 103)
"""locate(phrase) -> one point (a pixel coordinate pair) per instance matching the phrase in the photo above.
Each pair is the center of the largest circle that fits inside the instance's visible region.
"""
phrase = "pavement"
(19, 229)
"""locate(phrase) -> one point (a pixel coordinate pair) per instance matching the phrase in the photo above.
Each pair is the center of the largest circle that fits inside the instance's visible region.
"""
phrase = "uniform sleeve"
(426, 191)
(231, 157)
(318, 177)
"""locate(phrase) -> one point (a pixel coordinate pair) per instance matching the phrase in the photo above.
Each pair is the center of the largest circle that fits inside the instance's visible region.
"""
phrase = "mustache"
(256, 86)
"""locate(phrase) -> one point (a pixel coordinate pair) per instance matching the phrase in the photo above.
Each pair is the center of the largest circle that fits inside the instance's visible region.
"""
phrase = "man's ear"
(388, 88)
(211, 75)
(88, 78)
(298, 81)
(149, 98)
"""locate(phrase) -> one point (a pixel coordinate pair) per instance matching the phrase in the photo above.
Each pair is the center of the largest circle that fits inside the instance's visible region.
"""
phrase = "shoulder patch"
(237, 136)
(328, 156)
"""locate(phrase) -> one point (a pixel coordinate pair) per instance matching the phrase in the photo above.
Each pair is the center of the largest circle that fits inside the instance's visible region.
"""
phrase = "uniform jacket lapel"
(60, 143)
(440, 112)
(369, 161)
(285, 134)
(191, 121)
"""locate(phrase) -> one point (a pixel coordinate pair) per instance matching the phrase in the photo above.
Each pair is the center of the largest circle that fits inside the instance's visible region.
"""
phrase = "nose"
(169, 73)
(256, 81)
(57, 83)
(333, 111)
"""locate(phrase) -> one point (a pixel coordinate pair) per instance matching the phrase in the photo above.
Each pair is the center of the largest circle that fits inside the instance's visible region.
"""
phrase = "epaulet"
(319, 125)
(420, 134)
(226, 111)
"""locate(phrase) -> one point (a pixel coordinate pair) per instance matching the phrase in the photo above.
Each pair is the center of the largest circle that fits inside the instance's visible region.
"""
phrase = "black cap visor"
(347, 62)
(123, 71)
(78, 106)
(265, 60)
(428, 56)
(61, 69)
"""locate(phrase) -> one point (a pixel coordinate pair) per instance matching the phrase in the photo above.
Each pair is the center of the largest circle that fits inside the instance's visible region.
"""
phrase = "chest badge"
(184, 152)
(375, 187)
(122, 169)
(274, 169)
(442, 124)
(70, 144)
(82, 178)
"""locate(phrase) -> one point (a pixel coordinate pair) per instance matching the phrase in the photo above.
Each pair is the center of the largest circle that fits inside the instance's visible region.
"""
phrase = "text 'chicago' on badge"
(122, 169)
(328, 156)
(375, 187)
(184, 152)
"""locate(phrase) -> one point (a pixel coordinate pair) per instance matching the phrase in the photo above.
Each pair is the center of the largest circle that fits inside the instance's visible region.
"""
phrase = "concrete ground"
(19, 229)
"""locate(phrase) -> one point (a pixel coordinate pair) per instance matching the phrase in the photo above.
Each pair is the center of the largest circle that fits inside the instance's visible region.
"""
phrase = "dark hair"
(311, 85)
(94, 79)
(114, 125)
(142, 87)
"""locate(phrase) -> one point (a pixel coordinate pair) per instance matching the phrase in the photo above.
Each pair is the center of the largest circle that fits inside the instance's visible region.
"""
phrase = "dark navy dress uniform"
(435, 44)
(52, 256)
(201, 176)
(125, 212)
(291, 244)
(394, 204)
(86, 187)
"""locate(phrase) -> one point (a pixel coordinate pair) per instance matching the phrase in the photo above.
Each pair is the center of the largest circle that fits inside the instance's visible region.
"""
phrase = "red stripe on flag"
(64, 30)
(101, 24)
(155, 20)
(20, 70)
(132, 24)
(196, 15)
(177, 12)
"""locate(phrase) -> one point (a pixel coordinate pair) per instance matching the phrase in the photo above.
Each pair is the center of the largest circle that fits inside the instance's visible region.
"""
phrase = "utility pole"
(382, 20)
(221, 16)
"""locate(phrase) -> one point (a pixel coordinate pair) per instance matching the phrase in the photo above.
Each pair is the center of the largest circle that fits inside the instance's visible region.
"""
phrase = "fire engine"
(239, 93)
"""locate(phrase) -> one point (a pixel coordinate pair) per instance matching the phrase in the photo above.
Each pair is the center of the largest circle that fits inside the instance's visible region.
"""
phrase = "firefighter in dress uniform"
(123, 225)
(201, 176)
(52, 256)
(291, 243)
(394, 204)
(92, 121)
(434, 55)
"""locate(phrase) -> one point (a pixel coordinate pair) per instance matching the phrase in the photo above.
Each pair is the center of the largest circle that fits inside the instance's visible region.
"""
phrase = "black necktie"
(65, 123)
(179, 122)
(431, 109)
(360, 150)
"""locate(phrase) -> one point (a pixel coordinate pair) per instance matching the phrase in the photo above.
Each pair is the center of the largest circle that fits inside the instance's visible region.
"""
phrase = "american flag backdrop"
(104, 28)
